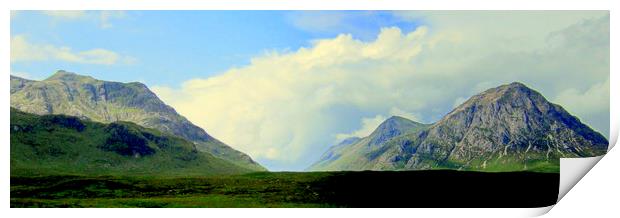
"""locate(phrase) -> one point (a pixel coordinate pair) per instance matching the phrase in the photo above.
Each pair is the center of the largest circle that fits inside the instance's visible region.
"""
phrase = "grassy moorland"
(437, 188)
(251, 190)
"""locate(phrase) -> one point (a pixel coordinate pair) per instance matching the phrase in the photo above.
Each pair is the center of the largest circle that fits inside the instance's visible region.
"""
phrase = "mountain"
(103, 101)
(60, 144)
(507, 128)
(351, 153)
(392, 127)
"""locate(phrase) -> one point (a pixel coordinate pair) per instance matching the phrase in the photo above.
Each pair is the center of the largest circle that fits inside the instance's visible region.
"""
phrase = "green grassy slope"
(59, 144)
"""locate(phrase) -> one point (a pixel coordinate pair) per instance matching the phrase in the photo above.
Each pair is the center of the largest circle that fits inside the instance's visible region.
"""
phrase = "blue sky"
(170, 47)
(283, 86)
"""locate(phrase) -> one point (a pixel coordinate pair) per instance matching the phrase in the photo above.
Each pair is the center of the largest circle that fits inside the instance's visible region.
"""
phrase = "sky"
(283, 86)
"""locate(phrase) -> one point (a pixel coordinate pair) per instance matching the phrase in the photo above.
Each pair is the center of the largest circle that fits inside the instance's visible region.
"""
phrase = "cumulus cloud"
(23, 50)
(281, 100)
(284, 107)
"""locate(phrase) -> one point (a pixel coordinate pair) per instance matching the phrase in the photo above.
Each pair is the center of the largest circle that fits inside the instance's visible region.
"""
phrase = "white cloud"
(588, 102)
(23, 50)
(394, 111)
(286, 106)
(277, 101)
(368, 126)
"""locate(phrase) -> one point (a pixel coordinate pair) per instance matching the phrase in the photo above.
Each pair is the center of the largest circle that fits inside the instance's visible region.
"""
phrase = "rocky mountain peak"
(513, 116)
(503, 94)
(396, 122)
(510, 100)
(66, 76)
(392, 127)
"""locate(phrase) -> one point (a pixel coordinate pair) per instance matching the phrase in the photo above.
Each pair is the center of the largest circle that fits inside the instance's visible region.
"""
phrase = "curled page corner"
(537, 211)
(572, 170)
(486, 212)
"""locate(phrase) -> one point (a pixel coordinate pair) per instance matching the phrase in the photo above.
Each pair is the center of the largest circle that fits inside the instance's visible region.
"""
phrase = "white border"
(579, 196)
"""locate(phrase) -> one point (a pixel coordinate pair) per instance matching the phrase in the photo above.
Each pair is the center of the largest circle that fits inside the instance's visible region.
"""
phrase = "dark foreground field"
(273, 189)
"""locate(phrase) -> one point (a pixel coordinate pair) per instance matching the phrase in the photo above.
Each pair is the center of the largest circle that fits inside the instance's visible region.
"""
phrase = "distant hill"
(103, 101)
(60, 144)
(508, 128)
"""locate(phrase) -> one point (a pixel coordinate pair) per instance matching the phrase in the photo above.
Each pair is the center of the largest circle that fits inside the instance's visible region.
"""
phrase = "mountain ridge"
(106, 101)
(507, 128)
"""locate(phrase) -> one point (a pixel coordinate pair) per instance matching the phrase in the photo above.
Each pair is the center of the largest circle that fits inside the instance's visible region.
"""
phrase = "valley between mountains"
(77, 141)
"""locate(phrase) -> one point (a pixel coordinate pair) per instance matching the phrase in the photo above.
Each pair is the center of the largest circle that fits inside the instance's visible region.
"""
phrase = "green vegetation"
(249, 190)
(58, 144)
(288, 189)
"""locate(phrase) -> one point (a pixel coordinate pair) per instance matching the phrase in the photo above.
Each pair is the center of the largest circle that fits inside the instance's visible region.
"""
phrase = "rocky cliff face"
(104, 101)
(507, 128)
